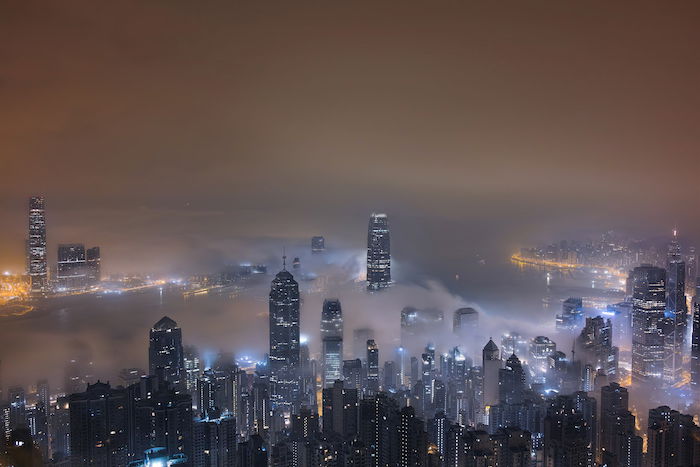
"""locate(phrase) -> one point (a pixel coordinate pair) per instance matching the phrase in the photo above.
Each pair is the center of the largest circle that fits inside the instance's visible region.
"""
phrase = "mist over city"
(349, 234)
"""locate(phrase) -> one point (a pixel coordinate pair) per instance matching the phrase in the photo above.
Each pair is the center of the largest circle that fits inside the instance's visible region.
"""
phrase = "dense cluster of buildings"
(525, 403)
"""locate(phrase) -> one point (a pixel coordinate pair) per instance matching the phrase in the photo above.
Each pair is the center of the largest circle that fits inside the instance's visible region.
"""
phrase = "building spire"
(284, 259)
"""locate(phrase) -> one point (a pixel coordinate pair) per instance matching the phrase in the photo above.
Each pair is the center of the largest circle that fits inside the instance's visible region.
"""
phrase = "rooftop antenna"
(284, 260)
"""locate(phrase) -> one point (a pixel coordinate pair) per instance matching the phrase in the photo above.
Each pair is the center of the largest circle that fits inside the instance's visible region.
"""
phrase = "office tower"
(378, 252)
(284, 355)
(514, 343)
(695, 345)
(672, 438)
(491, 359)
(162, 418)
(359, 342)
(340, 410)
(352, 374)
(214, 442)
(619, 444)
(465, 321)
(165, 353)
(572, 314)
(331, 340)
(676, 321)
(413, 445)
(18, 407)
(622, 322)
(98, 426)
(59, 429)
(36, 246)
(93, 264)
(379, 420)
(71, 272)
(191, 364)
(567, 435)
(318, 244)
(541, 347)
(595, 343)
(391, 376)
(372, 367)
(649, 305)
(511, 381)
(691, 272)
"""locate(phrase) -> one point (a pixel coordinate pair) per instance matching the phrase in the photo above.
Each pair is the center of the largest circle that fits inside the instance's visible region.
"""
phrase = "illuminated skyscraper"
(318, 244)
(695, 345)
(372, 367)
(332, 341)
(284, 352)
(165, 353)
(648, 307)
(71, 272)
(378, 252)
(36, 246)
(491, 364)
(676, 322)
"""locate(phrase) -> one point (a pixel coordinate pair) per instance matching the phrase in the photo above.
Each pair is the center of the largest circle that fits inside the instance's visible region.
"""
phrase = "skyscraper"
(491, 365)
(284, 352)
(165, 353)
(695, 345)
(318, 244)
(648, 307)
(331, 340)
(71, 272)
(618, 442)
(676, 321)
(36, 246)
(372, 367)
(92, 260)
(378, 252)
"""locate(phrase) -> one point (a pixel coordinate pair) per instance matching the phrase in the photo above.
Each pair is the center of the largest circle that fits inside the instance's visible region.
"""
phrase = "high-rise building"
(676, 322)
(511, 381)
(567, 435)
(372, 367)
(691, 273)
(37, 263)
(695, 345)
(465, 321)
(413, 443)
(491, 359)
(215, 442)
(648, 308)
(318, 244)
(340, 410)
(572, 314)
(595, 342)
(671, 438)
(619, 444)
(94, 267)
(331, 340)
(98, 426)
(378, 252)
(165, 353)
(71, 272)
(284, 355)
(352, 374)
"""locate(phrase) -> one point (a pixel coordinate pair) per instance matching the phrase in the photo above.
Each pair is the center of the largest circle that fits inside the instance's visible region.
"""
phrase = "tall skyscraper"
(491, 365)
(695, 345)
(36, 246)
(284, 352)
(71, 272)
(378, 252)
(676, 322)
(648, 308)
(165, 353)
(618, 442)
(465, 321)
(331, 341)
(372, 367)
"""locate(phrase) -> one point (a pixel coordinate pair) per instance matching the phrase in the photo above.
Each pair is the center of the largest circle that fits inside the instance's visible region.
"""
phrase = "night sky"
(182, 135)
